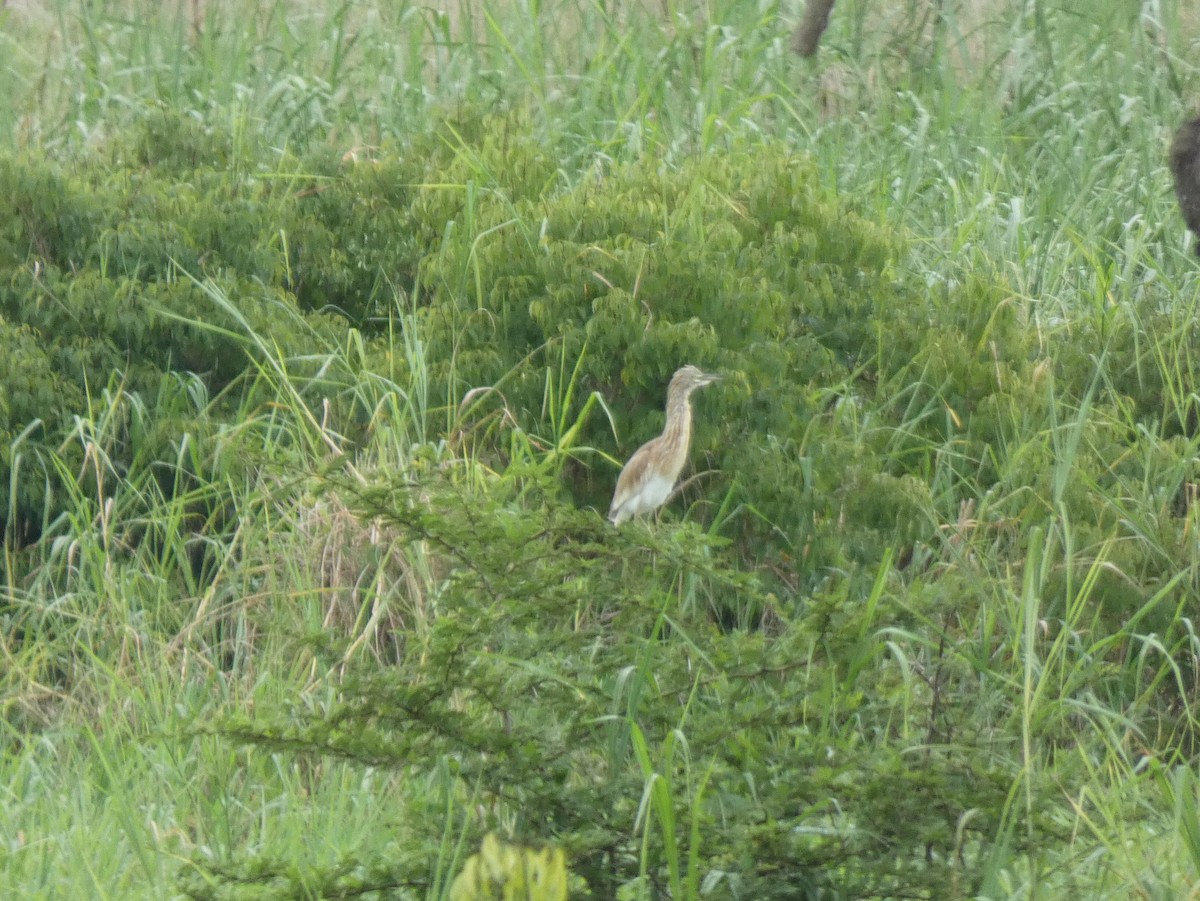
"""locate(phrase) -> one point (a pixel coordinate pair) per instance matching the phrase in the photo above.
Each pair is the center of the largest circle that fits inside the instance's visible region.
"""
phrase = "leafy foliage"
(100, 263)
(568, 671)
(318, 600)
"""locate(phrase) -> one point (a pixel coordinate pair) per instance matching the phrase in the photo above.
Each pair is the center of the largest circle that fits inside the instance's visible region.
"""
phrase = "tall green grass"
(1022, 145)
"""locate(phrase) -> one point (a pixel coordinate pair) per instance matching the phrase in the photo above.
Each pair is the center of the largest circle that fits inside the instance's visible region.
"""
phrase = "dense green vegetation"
(326, 331)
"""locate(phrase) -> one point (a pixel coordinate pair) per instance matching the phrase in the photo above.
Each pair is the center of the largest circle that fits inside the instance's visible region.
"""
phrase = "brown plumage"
(1185, 167)
(648, 478)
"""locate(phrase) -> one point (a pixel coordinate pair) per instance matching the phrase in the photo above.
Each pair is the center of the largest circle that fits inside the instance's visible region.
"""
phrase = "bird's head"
(688, 378)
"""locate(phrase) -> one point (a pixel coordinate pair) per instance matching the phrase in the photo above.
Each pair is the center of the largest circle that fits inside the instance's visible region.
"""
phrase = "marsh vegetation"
(327, 328)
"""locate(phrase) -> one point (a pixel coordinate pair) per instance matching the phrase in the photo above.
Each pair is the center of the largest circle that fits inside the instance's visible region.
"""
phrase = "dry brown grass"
(375, 584)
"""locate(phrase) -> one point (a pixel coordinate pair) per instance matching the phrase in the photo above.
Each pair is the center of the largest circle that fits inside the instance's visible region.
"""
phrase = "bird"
(648, 478)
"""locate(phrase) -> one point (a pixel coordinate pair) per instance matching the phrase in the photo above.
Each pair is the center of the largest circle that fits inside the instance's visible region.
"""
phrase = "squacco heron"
(648, 478)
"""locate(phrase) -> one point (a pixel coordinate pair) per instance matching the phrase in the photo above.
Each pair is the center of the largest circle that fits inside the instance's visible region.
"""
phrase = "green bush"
(738, 261)
(101, 263)
(862, 409)
(563, 675)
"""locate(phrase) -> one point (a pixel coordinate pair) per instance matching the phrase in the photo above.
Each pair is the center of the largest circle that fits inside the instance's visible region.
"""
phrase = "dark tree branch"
(1185, 167)
(808, 33)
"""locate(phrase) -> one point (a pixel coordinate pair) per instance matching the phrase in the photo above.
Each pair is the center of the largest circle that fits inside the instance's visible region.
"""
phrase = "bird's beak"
(710, 377)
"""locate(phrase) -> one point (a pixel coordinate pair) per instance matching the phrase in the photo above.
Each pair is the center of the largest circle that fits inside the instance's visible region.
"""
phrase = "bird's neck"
(679, 421)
